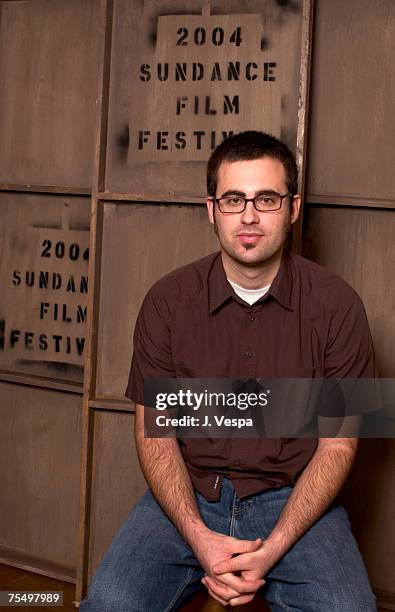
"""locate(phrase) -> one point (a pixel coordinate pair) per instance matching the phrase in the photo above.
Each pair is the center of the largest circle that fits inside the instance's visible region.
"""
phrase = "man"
(239, 515)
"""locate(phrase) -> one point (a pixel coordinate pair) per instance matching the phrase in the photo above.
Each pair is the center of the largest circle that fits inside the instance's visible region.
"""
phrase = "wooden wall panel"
(352, 123)
(40, 439)
(117, 480)
(369, 496)
(357, 243)
(141, 243)
(48, 59)
(46, 234)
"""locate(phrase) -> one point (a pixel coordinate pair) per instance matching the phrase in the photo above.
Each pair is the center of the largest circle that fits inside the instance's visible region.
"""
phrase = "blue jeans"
(149, 567)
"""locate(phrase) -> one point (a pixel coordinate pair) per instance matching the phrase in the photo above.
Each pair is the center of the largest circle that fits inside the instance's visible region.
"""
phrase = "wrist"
(275, 546)
(195, 533)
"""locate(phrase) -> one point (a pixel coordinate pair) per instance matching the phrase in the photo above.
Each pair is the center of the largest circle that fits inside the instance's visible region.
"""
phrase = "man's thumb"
(255, 544)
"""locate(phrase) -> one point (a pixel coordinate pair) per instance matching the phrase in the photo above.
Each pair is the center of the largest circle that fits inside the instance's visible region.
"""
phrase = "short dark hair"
(248, 146)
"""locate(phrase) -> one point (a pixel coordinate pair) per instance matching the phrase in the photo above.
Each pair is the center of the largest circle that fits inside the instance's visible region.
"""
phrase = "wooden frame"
(93, 301)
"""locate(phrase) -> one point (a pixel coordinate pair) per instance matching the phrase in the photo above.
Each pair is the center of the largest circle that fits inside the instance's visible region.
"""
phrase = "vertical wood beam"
(96, 231)
(303, 106)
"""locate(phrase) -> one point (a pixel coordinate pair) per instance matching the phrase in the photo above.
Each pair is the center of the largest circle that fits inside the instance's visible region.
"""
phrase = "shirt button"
(248, 354)
(252, 318)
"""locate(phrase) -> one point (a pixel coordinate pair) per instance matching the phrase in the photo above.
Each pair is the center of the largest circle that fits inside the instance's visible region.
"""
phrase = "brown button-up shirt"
(193, 325)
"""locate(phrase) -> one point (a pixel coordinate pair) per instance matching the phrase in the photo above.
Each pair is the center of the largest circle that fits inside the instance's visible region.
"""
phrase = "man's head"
(252, 201)
(247, 146)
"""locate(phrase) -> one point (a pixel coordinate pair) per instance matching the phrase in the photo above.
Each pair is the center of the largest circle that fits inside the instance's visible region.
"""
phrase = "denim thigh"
(323, 571)
(148, 566)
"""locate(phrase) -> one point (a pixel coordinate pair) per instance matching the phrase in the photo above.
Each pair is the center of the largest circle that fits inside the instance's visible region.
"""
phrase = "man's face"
(252, 238)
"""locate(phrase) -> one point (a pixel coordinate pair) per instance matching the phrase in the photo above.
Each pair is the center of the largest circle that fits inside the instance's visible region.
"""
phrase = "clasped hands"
(233, 580)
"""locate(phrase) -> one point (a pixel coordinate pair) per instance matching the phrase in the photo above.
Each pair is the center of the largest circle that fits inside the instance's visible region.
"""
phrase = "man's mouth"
(249, 238)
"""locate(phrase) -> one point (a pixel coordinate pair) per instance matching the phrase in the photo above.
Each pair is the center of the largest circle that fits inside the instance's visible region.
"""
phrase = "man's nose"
(250, 214)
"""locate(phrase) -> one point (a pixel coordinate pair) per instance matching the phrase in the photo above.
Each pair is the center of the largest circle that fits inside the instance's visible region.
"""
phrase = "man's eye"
(266, 199)
(234, 200)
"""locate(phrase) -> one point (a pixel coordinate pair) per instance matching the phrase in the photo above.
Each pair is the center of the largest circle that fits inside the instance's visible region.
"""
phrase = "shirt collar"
(281, 288)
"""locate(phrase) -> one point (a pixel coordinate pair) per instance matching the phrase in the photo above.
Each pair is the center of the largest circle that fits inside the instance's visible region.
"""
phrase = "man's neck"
(251, 277)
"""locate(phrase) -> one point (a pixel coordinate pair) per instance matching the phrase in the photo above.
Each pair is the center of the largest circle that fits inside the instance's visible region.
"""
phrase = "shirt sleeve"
(351, 386)
(349, 350)
(151, 344)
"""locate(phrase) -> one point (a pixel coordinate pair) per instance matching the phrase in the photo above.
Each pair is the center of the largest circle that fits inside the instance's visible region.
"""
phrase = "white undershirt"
(249, 295)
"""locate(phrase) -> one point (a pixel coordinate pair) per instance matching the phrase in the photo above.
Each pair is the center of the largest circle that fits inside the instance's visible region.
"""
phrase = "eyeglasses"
(264, 202)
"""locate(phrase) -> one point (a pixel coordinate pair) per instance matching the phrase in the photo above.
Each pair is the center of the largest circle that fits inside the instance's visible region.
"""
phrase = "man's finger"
(240, 601)
(221, 589)
(240, 584)
(214, 596)
(236, 564)
(243, 546)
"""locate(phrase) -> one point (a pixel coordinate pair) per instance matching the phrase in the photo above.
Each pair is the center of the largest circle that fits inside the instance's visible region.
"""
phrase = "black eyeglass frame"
(253, 200)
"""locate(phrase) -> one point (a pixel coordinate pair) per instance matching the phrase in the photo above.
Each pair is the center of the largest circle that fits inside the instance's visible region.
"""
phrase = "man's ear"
(295, 207)
(210, 210)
